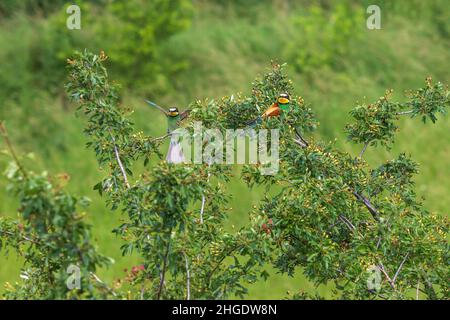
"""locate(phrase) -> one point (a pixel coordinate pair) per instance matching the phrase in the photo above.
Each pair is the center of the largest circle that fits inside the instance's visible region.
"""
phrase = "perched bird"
(173, 115)
(278, 108)
(282, 105)
(275, 110)
(175, 152)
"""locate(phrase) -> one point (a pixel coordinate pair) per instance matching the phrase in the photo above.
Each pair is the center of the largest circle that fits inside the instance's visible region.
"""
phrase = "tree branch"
(417, 290)
(5, 135)
(163, 271)
(188, 278)
(400, 267)
(429, 290)
(404, 112)
(203, 203)
(103, 284)
(9, 233)
(381, 267)
(374, 212)
(364, 149)
(119, 162)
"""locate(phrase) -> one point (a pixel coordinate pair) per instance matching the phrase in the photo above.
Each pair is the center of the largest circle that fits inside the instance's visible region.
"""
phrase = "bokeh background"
(176, 51)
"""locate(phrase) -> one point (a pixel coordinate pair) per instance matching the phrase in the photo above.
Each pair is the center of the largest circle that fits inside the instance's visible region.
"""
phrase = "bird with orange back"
(275, 110)
(282, 105)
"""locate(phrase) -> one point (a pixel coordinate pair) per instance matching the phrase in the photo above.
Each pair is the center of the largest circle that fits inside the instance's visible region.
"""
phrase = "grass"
(224, 54)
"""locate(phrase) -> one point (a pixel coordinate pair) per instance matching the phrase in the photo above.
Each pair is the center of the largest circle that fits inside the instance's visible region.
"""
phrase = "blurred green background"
(176, 51)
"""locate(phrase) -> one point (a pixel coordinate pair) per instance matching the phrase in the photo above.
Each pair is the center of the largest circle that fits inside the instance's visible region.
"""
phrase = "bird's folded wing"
(184, 114)
(273, 111)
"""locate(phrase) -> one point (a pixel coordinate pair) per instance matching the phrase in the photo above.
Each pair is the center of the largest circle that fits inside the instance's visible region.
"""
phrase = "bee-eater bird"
(278, 108)
(174, 117)
(275, 110)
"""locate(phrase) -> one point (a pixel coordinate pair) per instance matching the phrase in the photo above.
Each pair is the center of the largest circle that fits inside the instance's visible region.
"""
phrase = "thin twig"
(429, 290)
(378, 242)
(374, 212)
(349, 225)
(188, 278)
(404, 112)
(387, 276)
(142, 291)
(160, 138)
(203, 203)
(5, 135)
(347, 222)
(364, 149)
(417, 290)
(300, 140)
(400, 267)
(119, 162)
(229, 252)
(300, 143)
(163, 272)
(9, 233)
(96, 278)
(37, 241)
(202, 209)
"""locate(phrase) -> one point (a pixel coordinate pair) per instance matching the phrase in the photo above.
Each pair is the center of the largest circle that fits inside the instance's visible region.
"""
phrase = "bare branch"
(374, 212)
(96, 278)
(378, 242)
(347, 222)
(119, 162)
(5, 135)
(387, 276)
(400, 267)
(364, 149)
(202, 208)
(203, 203)
(429, 290)
(25, 238)
(300, 143)
(404, 112)
(163, 272)
(188, 278)
(160, 138)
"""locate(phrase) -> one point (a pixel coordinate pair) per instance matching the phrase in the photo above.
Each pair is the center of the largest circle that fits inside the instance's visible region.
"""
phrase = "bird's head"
(173, 112)
(283, 101)
(283, 98)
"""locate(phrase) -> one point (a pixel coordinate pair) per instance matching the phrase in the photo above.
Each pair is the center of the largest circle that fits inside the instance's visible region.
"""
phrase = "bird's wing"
(184, 114)
(157, 107)
(273, 111)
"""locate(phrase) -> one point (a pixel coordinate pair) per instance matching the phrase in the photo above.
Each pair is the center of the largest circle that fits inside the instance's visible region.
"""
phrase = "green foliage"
(50, 235)
(375, 123)
(428, 101)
